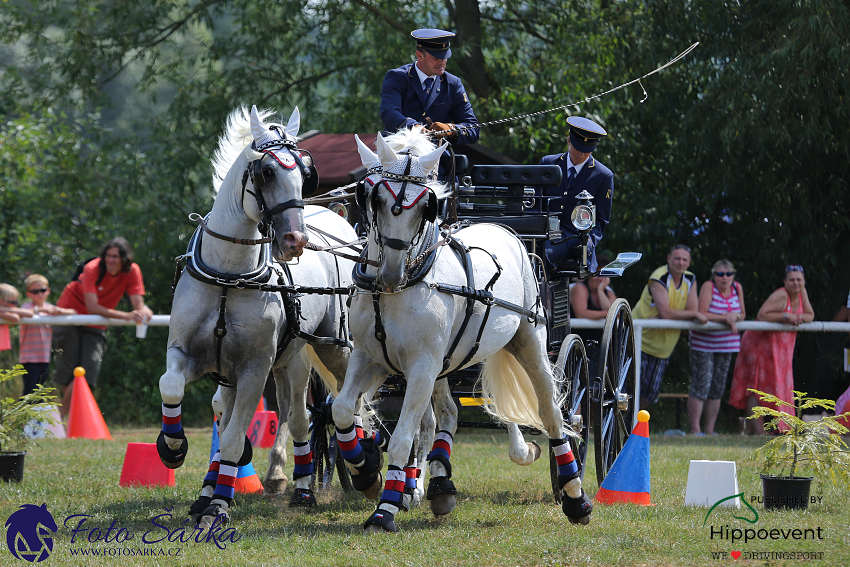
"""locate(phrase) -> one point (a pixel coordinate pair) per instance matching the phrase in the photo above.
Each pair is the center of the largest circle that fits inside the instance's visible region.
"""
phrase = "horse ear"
(258, 129)
(294, 123)
(385, 152)
(367, 156)
(428, 161)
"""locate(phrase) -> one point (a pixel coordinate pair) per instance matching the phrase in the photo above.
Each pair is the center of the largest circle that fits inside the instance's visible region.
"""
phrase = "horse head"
(399, 205)
(280, 176)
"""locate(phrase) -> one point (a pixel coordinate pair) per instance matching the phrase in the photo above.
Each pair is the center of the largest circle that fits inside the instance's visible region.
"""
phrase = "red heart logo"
(735, 554)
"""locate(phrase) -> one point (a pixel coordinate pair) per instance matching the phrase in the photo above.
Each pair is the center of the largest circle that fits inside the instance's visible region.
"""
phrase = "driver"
(582, 172)
(423, 94)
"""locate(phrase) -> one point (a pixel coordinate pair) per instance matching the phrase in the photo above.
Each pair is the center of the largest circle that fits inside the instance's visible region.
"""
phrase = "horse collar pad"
(412, 193)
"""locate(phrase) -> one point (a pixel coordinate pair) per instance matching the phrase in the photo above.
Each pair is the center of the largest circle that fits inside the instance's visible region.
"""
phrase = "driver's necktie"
(571, 175)
(429, 82)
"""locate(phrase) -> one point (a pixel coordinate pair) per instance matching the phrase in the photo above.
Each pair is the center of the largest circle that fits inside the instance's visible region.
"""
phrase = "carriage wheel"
(326, 454)
(614, 390)
(575, 407)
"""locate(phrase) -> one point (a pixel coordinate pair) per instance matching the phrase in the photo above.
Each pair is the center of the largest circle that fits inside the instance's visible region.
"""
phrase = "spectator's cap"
(435, 42)
(584, 133)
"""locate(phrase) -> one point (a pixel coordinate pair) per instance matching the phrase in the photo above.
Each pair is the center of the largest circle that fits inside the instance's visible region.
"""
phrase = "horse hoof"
(535, 450)
(374, 491)
(578, 510)
(170, 458)
(443, 505)
(274, 487)
(247, 454)
(216, 514)
(302, 497)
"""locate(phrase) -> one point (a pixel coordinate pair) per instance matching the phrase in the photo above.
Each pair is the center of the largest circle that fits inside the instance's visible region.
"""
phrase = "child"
(9, 313)
(36, 339)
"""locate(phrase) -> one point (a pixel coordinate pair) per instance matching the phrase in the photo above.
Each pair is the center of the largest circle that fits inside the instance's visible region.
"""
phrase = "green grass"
(505, 514)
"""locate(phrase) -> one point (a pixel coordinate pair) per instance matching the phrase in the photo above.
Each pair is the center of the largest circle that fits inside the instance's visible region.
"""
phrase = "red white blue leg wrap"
(303, 460)
(567, 465)
(225, 488)
(441, 451)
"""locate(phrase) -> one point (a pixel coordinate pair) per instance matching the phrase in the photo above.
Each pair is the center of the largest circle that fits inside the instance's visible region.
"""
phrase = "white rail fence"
(639, 324)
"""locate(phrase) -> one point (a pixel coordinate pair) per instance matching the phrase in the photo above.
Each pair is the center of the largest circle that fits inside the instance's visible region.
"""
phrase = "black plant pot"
(786, 491)
(12, 466)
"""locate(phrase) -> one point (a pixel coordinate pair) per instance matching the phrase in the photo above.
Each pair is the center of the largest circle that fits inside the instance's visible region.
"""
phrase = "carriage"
(599, 390)
(232, 322)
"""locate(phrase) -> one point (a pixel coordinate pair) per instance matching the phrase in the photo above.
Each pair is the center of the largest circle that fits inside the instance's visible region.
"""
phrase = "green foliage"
(15, 413)
(814, 446)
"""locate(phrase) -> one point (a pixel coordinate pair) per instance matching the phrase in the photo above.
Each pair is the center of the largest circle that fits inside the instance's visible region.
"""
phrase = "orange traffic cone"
(142, 467)
(84, 419)
(628, 478)
(247, 481)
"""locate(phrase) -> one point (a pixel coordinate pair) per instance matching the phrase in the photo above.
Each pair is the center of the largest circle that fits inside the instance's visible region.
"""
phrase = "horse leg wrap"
(391, 501)
(210, 481)
(247, 454)
(411, 475)
(302, 497)
(567, 465)
(225, 486)
(441, 451)
(303, 460)
(172, 430)
(361, 454)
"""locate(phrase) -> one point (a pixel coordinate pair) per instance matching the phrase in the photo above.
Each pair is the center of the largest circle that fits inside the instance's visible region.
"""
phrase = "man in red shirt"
(100, 287)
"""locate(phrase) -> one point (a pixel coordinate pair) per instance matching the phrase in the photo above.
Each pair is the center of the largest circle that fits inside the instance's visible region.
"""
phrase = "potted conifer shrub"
(800, 449)
(15, 414)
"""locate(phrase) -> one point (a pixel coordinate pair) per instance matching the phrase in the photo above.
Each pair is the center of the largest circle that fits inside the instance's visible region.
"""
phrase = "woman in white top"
(721, 299)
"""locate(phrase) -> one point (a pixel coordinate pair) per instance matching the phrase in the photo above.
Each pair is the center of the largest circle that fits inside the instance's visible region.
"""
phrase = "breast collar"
(203, 273)
(366, 282)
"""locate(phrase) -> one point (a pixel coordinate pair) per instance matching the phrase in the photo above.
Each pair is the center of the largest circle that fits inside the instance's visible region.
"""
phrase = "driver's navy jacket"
(594, 178)
(404, 103)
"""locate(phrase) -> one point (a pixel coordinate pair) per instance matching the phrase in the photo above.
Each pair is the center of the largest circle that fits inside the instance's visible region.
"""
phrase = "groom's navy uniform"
(407, 100)
(593, 177)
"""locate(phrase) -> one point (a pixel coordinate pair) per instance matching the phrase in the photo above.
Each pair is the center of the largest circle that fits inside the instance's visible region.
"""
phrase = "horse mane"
(418, 144)
(236, 139)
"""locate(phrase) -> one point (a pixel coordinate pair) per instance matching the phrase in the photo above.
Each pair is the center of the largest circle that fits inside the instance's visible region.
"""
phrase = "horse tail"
(508, 392)
(326, 375)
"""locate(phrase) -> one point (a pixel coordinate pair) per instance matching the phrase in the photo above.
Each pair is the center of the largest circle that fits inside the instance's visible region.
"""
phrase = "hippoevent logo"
(30, 530)
(737, 535)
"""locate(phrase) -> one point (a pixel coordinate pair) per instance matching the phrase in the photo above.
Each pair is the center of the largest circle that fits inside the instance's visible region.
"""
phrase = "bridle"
(257, 174)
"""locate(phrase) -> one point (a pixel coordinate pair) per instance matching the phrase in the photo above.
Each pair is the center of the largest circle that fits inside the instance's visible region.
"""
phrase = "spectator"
(765, 360)
(842, 404)
(100, 287)
(590, 299)
(36, 339)
(9, 312)
(721, 299)
(671, 293)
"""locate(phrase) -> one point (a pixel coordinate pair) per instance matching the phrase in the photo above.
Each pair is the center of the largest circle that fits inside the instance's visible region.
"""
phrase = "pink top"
(719, 341)
(35, 340)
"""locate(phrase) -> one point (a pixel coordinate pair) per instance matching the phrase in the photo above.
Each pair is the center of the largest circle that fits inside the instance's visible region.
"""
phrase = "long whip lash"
(600, 95)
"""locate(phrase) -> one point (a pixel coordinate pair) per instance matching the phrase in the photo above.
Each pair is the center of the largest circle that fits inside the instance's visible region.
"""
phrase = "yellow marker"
(79, 371)
(643, 416)
(473, 401)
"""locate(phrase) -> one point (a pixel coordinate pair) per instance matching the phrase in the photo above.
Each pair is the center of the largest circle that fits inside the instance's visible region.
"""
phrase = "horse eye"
(268, 171)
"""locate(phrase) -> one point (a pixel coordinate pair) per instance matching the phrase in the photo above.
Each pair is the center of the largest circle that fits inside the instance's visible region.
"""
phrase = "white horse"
(520, 452)
(229, 317)
(404, 324)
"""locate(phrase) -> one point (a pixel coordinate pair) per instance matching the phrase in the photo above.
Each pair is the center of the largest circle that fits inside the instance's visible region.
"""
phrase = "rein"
(244, 241)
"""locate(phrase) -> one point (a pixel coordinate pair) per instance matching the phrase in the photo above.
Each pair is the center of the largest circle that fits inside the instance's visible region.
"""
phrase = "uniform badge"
(464, 98)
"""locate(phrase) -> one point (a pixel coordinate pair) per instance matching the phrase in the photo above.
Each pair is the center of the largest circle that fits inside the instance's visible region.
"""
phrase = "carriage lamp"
(584, 214)
(339, 208)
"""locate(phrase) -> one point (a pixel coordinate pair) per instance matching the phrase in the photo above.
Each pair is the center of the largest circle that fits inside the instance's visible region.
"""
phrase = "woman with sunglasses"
(765, 360)
(721, 299)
